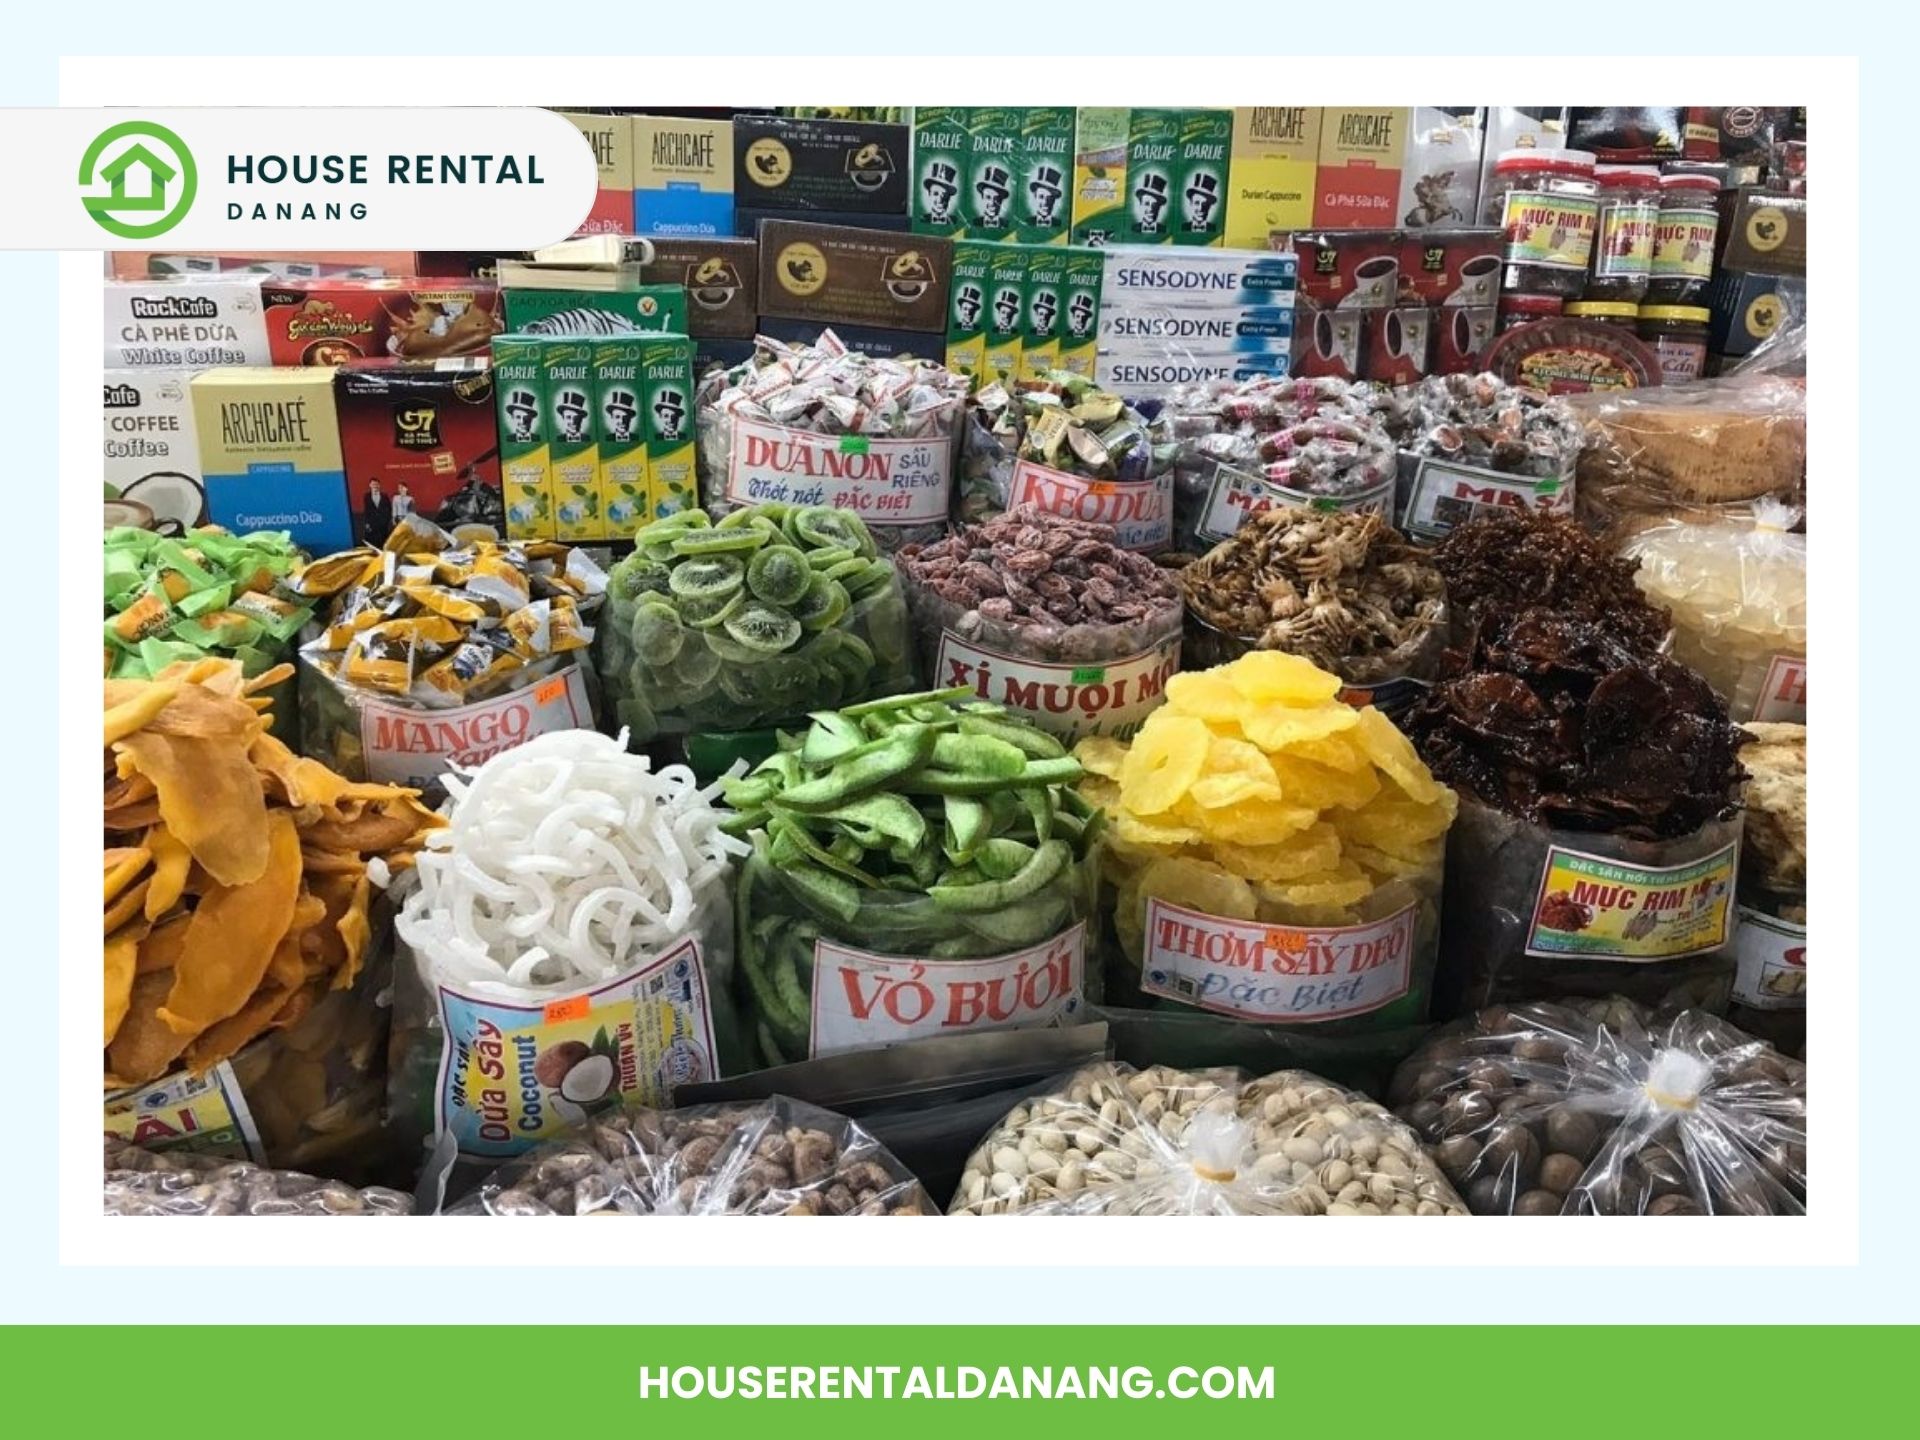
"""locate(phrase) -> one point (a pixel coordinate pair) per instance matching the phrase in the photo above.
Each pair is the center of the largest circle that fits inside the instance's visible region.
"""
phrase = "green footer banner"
(786, 1381)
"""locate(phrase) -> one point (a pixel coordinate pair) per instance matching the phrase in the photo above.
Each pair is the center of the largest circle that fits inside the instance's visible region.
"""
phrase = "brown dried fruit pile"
(1513, 561)
(1560, 721)
(1339, 588)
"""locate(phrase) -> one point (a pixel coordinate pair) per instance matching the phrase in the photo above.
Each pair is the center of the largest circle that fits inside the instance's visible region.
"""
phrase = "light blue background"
(1882, 1287)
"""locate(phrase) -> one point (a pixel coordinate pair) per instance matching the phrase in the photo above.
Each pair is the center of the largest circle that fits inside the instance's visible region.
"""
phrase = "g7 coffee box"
(858, 277)
(270, 450)
(1276, 153)
(417, 437)
(682, 176)
(188, 323)
(611, 137)
(721, 277)
(148, 443)
(787, 164)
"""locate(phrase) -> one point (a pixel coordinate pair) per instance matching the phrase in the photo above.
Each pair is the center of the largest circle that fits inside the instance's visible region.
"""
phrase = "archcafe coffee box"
(270, 449)
(682, 176)
(611, 137)
(1276, 154)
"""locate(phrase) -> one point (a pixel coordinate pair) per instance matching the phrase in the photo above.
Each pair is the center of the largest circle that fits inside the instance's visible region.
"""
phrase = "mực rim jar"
(1683, 241)
(1549, 208)
(1623, 237)
(1678, 335)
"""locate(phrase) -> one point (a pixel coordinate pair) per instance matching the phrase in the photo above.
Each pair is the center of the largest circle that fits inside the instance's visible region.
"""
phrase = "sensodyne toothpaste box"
(1140, 375)
(1257, 327)
(1149, 274)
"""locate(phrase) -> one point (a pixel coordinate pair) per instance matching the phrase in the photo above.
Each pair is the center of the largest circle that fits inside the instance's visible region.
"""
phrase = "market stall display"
(777, 1157)
(919, 863)
(773, 611)
(1339, 588)
(824, 425)
(1275, 854)
(437, 653)
(1599, 816)
(1113, 1140)
(571, 922)
(1049, 616)
(1602, 1109)
(1061, 443)
(205, 593)
(1770, 983)
(145, 1182)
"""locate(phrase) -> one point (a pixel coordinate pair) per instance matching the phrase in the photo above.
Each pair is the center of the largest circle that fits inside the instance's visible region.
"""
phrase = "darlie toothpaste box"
(682, 176)
(1081, 283)
(993, 153)
(666, 389)
(967, 307)
(621, 432)
(1146, 275)
(941, 146)
(1043, 206)
(526, 475)
(1044, 307)
(566, 369)
(1177, 177)
(1006, 312)
(1099, 174)
(270, 450)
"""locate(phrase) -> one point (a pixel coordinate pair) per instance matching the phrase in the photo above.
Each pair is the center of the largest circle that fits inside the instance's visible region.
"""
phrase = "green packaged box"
(652, 309)
(1099, 174)
(566, 368)
(1085, 270)
(626, 501)
(1177, 177)
(526, 475)
(1043, 210)
(967, 307)
(1205, 149)
(1044, 306)
(941, 150)
(666, 385)
(993, 145)
(1006, 313)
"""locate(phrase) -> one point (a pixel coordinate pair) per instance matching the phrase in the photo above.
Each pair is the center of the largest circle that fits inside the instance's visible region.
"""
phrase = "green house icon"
(150, 184)
(159, 175)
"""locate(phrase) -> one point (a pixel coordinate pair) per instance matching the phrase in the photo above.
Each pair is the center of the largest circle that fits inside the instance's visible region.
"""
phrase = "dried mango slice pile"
(1255, 794)
(237, 873)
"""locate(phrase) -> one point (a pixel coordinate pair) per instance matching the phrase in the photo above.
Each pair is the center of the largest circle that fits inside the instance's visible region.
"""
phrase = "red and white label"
(884, 482)
(1140, 510)
(1783, 695)
(1282, 973)
(1235, 496)
(1446, 495)
(1104, 697)
(405, 745)
(1771, 973)
(863, 1001)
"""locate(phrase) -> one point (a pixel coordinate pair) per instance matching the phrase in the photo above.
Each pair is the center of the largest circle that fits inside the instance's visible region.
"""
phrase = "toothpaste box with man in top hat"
(626, 501)
(526, 476)
(941, 149)
(993, 152)
(666, 392)
(566, 366)
(1043, 212)
(1176, 177)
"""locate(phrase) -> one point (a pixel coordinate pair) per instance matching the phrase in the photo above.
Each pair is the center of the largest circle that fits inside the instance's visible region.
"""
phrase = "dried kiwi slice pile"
(773, 611)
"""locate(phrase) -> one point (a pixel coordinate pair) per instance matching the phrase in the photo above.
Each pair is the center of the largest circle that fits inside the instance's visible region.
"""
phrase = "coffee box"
(838, 274)
(1276, 153)
(1148, 275)
(1462, 335)
(966, 340)
(1397, 346)
(269, 443)
(1350, 269)
(148, 448)
(1747, 309)
(748, 219)
(1080, 326)
(1440, 167)
(620, 431)
(566, 372)
(526, 463)
(186, 324)
(1763, 232)
(1451, 266)
(872, 340)
(941, 147)
(1043, 309)
(1358, 179)
(418, 437)
(832, 165)
(656, 309)
(332, 321)
(682, 176)
(1099, 174)
(1006, 313)
(721, 278)
(611, 137)
(1043, 207)
(993, 162)
(666, 384)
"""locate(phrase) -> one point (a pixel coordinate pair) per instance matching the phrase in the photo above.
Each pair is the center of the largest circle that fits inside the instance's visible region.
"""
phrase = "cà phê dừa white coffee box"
(147, 447)
(188, 323)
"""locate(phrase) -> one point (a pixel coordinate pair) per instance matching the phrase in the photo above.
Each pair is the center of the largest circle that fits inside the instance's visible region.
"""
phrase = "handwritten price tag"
(574, 1007)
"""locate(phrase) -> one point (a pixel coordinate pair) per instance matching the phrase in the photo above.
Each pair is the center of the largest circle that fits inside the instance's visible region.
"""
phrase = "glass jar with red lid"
(1547, 203)
(1518, 309)
(1683, 240)
(1623, 236)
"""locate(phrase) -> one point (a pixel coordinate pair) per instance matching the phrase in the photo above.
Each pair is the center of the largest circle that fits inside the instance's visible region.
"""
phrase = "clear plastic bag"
(1737, 589)
(142, 1182)
(1113, 1140)
(1695, 452)
(1598, 1108)
(775, 1157)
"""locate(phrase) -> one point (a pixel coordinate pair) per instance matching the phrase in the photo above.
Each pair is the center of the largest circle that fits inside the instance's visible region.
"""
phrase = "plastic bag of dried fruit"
(1598, 1108)
(774, 1157)
(1113, 1140)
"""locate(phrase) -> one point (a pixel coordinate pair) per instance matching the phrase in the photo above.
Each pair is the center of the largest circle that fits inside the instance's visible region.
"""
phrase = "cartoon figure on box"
(572, 410)
(1044, 305)
(941, 188)
(1202, 199)
(523, 417)
(966, 306)
(669, 413)
(623, 412)
(1080, 315)
(994, 191)
(1006, 309)
(1043, 193)
(1150, 203)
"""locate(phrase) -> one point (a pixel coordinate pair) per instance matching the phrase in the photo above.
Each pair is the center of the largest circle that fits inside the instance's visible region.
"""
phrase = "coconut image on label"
(579, 1074)
(907, 276)
(869, 166)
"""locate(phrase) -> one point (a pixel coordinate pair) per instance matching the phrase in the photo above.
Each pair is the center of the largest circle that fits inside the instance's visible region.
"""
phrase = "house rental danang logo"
(138, 179)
